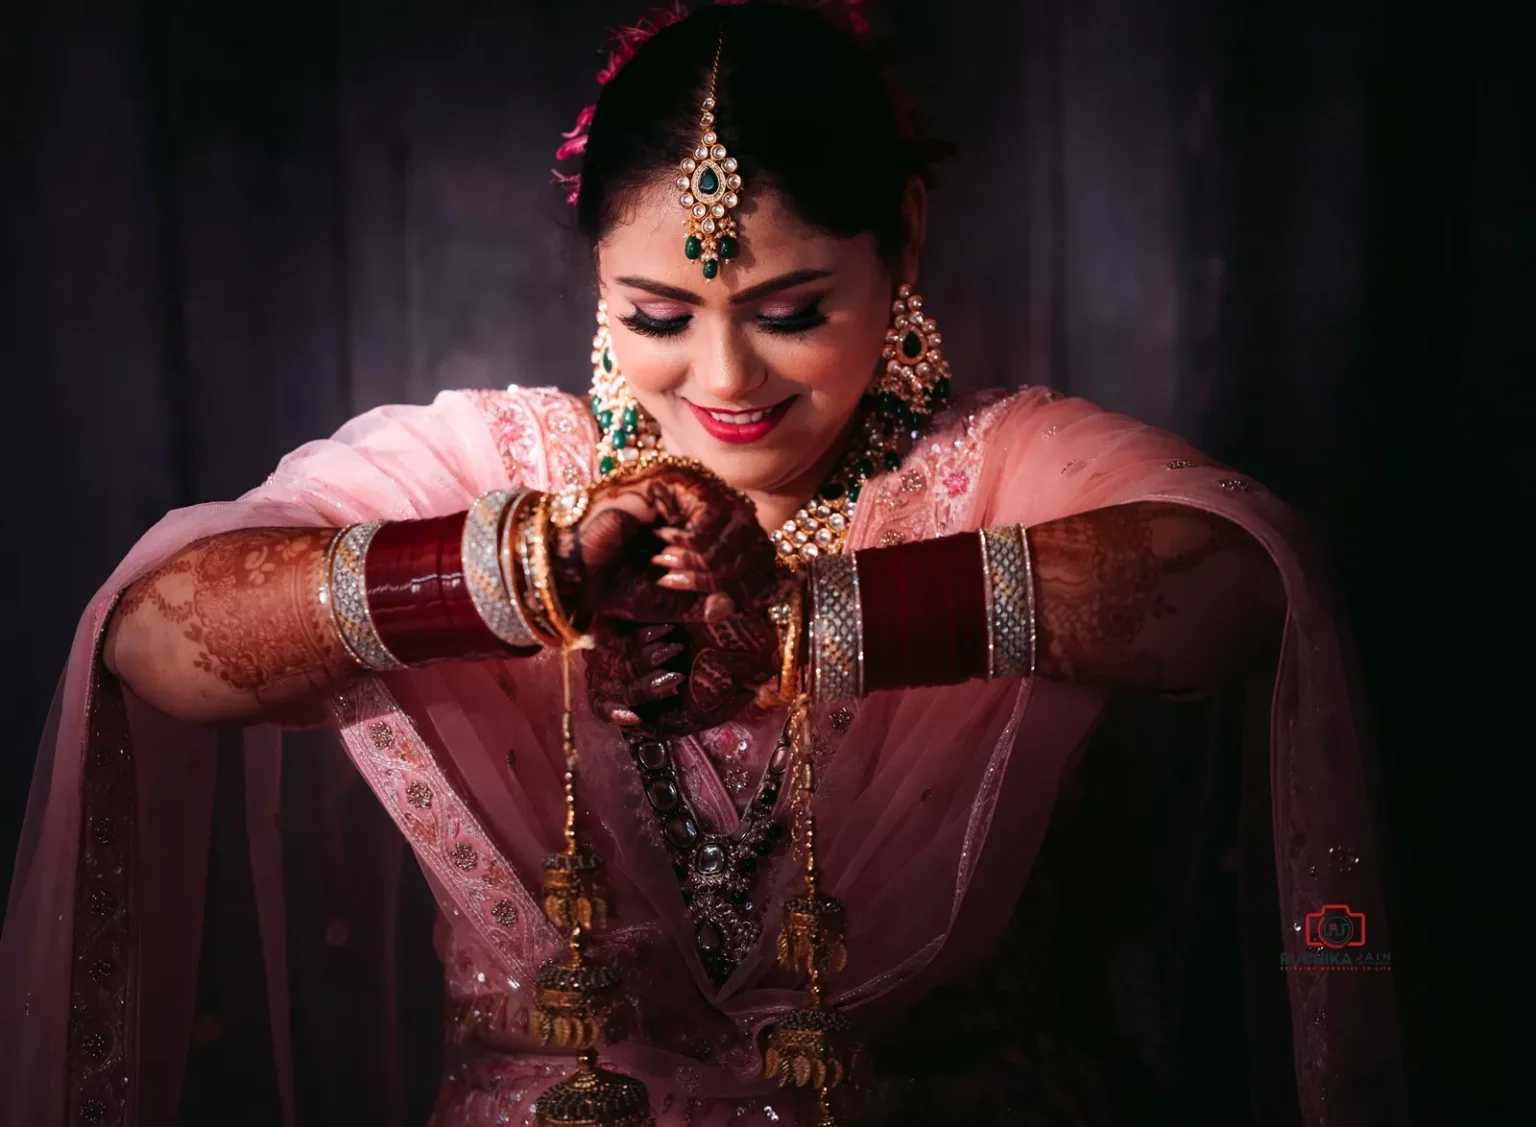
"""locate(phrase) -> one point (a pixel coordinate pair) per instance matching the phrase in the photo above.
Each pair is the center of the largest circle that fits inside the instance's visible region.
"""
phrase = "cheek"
(651, 367)
(837, 364)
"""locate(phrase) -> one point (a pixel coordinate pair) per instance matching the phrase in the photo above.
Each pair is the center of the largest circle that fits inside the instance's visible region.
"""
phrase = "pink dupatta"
(934, 802)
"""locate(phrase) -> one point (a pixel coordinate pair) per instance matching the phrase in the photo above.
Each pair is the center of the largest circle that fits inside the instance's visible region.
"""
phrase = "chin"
(751, 471)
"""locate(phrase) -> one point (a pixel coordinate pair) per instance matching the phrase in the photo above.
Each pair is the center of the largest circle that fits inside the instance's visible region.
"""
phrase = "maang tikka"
(710, 189)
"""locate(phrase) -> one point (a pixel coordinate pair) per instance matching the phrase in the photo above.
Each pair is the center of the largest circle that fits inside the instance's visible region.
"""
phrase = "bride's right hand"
(610, 563)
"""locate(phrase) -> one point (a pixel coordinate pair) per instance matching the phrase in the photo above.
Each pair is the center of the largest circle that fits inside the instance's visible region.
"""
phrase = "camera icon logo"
(1336, 927)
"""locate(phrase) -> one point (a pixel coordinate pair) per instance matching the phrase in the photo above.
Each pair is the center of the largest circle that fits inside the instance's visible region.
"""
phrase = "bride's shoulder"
(541, 402)
(982, 412)
(538, 431)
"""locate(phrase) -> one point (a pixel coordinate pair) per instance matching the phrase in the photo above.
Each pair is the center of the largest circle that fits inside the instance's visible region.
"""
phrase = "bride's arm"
(232, 629)
(263, 624)
(1154, 596)
(1146, 595)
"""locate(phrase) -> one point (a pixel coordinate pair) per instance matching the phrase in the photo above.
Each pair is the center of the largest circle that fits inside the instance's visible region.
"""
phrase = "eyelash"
(800, 321)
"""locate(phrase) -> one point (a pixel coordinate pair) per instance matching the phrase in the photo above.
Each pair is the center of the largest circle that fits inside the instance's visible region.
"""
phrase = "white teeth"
(741, 419)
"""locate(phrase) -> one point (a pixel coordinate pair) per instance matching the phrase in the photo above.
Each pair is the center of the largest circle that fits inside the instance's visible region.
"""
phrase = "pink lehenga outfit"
(934, 812)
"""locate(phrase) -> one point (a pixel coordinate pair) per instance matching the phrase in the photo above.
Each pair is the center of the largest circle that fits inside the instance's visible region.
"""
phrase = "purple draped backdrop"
(1287, 231)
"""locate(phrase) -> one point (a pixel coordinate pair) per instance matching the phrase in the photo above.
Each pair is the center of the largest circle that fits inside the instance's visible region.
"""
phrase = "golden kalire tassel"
(580, 1004)
(813, 1047)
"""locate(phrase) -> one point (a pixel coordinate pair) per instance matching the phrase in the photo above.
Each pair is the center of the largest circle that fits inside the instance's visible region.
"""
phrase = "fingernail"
(659, 653)
(663, 681)
(674, 581)
(651, 633)
(668, 559)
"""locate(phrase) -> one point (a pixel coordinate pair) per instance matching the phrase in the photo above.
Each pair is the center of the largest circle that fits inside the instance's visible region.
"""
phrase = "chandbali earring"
(711, 187)
(915, 382)
(624, 429)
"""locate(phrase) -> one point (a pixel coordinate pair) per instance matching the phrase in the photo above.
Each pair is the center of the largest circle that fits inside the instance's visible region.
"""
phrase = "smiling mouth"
(740, 417)
(740, 426)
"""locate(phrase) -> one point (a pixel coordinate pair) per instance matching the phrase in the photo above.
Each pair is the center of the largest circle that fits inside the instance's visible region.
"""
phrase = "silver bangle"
(349, 599)
(837, 629)
(1008, 579)
(484, 577)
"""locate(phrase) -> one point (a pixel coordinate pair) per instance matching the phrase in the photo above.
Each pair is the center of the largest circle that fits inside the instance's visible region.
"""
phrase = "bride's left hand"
(680, 679)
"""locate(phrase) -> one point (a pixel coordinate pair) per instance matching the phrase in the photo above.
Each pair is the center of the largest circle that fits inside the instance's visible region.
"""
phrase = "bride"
(928, 758)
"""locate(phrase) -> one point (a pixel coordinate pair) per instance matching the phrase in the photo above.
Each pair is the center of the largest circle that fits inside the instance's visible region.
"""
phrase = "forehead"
(647, 241)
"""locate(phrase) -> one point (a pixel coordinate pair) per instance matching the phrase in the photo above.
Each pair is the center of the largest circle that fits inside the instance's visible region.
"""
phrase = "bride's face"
(757, 373)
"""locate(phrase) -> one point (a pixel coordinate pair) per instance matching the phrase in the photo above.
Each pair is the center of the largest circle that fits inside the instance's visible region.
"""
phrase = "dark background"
(1289, 231)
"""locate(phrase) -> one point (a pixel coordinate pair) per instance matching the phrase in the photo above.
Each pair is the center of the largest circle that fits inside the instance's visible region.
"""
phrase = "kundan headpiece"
(711, 189)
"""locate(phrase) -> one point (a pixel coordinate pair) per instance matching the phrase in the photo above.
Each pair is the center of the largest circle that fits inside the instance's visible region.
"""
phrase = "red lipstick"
(740, 427)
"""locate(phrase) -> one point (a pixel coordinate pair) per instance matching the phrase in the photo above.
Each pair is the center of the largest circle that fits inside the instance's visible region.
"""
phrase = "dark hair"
(801, 104)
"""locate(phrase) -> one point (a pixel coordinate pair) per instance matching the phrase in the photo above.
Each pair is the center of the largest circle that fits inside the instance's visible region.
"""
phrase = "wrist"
(569, 576)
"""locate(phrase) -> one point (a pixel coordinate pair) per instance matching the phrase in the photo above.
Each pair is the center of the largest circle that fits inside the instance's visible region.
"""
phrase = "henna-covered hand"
(678, 680)
(613, 563)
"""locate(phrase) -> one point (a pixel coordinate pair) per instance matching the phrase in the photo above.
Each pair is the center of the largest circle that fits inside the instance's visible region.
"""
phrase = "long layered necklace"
(813, 1046)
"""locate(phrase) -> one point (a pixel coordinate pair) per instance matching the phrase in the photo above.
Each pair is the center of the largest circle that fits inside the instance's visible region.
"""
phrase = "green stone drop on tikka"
(693, 247)
(912, 346)
(709, 183)
(711, 268)
(728, 246)
(607, 359)
(605, 466)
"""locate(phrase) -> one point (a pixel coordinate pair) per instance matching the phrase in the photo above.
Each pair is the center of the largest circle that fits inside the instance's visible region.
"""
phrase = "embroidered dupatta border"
(546, 439)
(104, 972)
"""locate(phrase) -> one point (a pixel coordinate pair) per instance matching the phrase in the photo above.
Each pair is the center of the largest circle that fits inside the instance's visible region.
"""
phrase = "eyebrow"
(762, 289)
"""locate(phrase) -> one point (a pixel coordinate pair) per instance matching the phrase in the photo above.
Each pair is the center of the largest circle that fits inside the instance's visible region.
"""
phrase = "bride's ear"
(914, 225)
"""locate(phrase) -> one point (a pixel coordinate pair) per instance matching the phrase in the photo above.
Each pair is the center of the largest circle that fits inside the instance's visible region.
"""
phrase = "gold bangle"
(519, 541)
(514, 570)
(544, 579)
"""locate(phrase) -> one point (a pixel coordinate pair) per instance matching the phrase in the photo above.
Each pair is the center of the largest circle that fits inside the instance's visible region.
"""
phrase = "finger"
(658, 654)
(685, 581)
(718, 606)
(678, 558)
(648, 634)
(656, 686)
(616, 713)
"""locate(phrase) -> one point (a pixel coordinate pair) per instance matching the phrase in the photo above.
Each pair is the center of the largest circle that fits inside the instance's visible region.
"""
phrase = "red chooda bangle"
(417, 595)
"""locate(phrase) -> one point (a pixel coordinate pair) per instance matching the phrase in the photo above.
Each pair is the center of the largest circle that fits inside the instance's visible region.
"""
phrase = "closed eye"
(640, 322)
(802, 320)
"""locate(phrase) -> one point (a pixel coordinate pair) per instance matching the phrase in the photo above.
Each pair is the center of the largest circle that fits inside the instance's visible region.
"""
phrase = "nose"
(733, 370)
